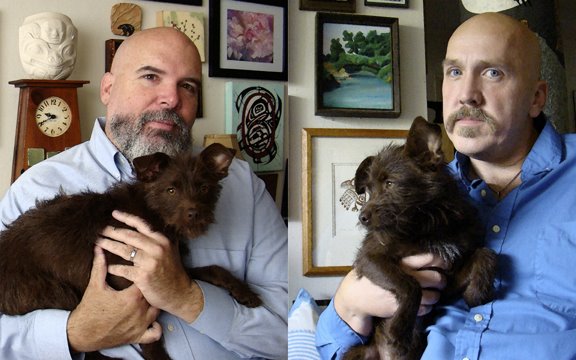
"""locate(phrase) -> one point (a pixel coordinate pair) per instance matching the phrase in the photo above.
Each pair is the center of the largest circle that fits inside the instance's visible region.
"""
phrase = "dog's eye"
(389, 183)
(171, 191)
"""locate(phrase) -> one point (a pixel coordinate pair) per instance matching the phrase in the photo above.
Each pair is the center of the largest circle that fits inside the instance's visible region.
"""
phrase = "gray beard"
(133, 140)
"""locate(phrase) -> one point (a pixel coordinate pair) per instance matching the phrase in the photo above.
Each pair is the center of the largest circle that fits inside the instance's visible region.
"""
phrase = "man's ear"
(539, 99)
(105, 87)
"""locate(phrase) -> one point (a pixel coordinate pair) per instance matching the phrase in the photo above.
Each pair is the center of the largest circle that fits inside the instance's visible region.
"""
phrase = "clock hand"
(50, 117)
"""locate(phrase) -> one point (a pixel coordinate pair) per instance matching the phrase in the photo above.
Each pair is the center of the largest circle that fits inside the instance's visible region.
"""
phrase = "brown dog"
(46, 254)
(415, 206)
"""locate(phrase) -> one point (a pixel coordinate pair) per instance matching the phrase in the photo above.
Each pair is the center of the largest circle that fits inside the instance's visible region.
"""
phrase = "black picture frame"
(222, 64)
(388, 3)
(339, 68)
(185, 2)
(329, 5)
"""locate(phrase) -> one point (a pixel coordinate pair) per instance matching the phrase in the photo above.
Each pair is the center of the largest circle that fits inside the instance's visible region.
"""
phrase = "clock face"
(53, 116)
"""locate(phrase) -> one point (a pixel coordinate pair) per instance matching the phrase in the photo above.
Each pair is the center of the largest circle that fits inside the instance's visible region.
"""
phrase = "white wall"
(301, 91)
(92, 19)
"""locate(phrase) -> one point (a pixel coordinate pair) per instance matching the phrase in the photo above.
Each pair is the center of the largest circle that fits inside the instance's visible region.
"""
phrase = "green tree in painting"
(360, 52)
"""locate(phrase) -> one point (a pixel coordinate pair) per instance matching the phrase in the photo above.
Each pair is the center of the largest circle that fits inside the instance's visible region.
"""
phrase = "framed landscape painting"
(357, 66)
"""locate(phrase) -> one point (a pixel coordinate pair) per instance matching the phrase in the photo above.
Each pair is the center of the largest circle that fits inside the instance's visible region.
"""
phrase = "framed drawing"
(255, 113)
(357, 66)
(387, 3)
(262, 54)
(330, 205)
(328, 5)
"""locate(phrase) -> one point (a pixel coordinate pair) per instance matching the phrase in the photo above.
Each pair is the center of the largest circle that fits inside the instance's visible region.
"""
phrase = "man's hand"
(157, 271)
(358, 300)
(107, 318)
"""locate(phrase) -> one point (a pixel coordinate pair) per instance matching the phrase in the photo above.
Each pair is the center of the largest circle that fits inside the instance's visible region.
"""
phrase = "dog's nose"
(192, 213)
(364, 218)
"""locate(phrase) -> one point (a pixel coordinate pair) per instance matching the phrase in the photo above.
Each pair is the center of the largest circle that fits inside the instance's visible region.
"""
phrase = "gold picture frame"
(329, 159)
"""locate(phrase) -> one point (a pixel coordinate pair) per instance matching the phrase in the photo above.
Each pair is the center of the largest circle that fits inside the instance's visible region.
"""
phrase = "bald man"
(151, 98)
(520, 174)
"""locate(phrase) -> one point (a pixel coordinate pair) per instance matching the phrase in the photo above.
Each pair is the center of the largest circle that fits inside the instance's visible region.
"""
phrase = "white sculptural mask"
(48, 46)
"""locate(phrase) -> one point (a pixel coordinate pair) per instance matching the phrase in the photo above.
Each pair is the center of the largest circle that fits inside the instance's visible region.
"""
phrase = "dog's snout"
(364, 218)
(192, 212)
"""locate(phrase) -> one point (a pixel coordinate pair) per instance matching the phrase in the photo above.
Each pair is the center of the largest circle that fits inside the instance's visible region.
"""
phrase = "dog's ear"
(149, 167)
(218, 157)
(361, 176)
(424, 144)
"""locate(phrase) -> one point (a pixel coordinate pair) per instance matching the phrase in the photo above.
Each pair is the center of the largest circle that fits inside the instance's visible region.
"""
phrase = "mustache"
(468, 112)
(162, 116)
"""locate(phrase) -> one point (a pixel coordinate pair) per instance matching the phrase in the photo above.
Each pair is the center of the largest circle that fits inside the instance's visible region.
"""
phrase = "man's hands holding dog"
(107, 318)
(128, 316)
(157, 269)
(358, 300)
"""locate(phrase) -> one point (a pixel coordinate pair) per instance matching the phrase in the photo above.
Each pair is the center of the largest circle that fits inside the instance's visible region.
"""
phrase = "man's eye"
(453, 72)
(193, 88)
(150, 76)
(493, 73)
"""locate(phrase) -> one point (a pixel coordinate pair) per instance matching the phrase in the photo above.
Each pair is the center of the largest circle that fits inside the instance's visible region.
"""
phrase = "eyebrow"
(150, 68)
(482, 64)
(448, 62)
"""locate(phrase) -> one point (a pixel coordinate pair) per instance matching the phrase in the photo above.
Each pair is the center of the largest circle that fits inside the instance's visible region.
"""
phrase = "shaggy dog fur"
(415, 206)
(46, 254)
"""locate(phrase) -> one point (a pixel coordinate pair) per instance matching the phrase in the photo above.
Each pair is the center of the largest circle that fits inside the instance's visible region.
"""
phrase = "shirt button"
(478, 318)
(170, 327)
(483, 193)
(496, 228)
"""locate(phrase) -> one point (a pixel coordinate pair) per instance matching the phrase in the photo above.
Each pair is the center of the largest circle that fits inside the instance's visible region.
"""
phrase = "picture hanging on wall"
(248, 39)
(190, 23)
(331, 233)
(387, 3)
(357, 66)
(328, 5)
(186, 2)
(255, 113)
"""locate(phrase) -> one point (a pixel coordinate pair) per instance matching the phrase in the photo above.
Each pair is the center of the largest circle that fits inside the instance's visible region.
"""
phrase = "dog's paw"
(246, 297)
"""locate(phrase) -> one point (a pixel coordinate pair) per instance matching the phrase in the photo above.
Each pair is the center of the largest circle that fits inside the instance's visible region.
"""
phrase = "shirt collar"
(108, 154)
(545, 155)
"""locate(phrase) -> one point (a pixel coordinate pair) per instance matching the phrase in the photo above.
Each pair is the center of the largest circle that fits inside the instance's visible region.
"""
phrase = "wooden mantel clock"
(48, 120)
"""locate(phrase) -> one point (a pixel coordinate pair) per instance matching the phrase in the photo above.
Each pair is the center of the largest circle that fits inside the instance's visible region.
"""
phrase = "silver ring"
(133, 254)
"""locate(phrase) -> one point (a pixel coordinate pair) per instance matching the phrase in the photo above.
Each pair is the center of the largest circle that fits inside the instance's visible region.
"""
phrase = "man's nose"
(470, 91)
(169, 97)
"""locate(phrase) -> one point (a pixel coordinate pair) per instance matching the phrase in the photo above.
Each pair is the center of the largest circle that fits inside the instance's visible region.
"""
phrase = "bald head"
(520, 44)
(151, 92)
(492, 89)
(161, 40)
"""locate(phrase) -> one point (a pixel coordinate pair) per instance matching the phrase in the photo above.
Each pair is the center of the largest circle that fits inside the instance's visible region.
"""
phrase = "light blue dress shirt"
(533, 230)
(249, 238)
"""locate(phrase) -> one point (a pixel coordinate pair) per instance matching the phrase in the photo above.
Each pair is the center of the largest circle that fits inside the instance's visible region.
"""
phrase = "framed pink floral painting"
(248, 39)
